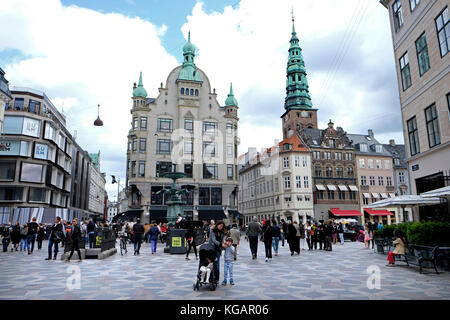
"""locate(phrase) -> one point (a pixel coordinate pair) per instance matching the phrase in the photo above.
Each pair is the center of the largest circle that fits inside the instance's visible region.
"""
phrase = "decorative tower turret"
(139, 94)
(231, 105)
(299, 109)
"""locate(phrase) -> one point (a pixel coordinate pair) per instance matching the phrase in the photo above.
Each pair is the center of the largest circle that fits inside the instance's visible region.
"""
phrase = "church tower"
(299, 109)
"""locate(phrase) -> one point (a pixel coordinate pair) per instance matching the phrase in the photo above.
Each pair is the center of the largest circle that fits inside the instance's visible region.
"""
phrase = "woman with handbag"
(56, 235)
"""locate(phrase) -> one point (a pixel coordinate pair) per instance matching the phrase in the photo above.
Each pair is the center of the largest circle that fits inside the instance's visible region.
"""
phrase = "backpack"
(23, 232)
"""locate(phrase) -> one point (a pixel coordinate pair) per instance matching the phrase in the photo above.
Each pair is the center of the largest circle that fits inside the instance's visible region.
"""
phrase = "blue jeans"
(228, 268)
(91, 239)
(52, 242)
(23, 244)
(30, 240)
(153, 244)
(275, 244)
(282, 239)
(217, 270)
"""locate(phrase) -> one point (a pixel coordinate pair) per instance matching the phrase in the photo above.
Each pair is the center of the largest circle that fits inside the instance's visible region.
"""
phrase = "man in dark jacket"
(283, 227)
(138, 231)
(252, 233)
(56, 235)
(76, 238)
(328, 232)
(91, 233)
(33, 229)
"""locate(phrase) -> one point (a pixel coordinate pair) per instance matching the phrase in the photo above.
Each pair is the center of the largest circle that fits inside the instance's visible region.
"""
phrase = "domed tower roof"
(231, 100)
(189, 47)
(189, 70)
(139, 91)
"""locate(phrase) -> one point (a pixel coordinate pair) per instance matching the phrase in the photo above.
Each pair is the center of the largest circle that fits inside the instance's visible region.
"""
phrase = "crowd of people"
(20, 237)
(299, 236)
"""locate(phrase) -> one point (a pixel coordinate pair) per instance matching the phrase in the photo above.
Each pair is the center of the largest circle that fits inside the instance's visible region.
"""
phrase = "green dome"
(189, 47)
(231, 100)
(139, 91)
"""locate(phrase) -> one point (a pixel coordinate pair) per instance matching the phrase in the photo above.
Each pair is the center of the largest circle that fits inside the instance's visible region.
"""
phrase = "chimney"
(392, 142)
(370, 131)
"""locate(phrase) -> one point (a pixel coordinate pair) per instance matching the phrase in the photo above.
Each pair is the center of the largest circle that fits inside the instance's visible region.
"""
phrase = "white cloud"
(83, 58)
(248, 45)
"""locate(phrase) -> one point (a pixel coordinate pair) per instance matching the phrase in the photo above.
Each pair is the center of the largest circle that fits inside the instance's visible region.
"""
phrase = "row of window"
(398, 13)
(187, 92)
(32, 127)
(331, 195)
(35, 195)
(297, 162)
(33, 173)
(443, 35)
(206, 196)
(329, 172)
(378, 164)
(19, 105)
(210, 171)
(166, 125)
(432, 124)
(326, 155)
(380, 181)
(273, 201)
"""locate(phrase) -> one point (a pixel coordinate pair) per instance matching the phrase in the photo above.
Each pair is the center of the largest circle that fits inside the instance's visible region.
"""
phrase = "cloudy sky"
(88, 52)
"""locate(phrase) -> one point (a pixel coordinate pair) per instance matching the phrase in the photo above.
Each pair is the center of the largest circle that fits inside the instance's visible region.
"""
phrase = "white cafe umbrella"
(441, 192)
(403, 201)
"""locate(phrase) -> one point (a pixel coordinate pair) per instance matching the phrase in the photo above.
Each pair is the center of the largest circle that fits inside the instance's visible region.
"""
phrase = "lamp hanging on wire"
(98, 122)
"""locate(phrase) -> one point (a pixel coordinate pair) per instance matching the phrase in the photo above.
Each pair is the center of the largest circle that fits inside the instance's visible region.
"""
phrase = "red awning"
(345, 213)
(378, 212)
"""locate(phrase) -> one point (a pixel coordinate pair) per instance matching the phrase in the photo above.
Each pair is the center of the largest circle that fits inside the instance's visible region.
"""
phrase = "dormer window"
(287, 146)
(379, 148)
(363, 147)
(331, 143)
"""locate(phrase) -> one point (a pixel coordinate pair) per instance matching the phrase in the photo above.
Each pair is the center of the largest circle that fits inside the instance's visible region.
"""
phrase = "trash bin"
(177, 241)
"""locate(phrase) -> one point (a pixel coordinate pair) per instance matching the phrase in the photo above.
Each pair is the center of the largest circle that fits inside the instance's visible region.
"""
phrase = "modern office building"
(97, 182)
(5, 96)
(43, 171)
(421, 40)
(183, 129)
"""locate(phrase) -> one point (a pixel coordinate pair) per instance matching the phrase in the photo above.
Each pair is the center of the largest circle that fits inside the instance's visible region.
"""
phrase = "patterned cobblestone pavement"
(340, 274)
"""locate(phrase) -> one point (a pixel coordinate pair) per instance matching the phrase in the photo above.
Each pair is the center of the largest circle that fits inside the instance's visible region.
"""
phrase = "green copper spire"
(231, 100)
(139, 91)
(297, 89)
(189, 71)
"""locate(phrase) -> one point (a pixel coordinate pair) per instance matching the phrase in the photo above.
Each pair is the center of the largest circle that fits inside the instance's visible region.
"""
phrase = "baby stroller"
(206, 251)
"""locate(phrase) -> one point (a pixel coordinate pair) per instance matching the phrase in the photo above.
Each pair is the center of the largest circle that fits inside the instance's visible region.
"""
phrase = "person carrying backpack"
(33, 229)
(23, 237)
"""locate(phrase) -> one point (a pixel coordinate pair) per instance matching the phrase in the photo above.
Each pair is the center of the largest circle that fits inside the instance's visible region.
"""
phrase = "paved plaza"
(340, 274)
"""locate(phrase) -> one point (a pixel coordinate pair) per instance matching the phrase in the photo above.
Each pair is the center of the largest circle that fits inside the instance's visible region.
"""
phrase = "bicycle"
(123, 244)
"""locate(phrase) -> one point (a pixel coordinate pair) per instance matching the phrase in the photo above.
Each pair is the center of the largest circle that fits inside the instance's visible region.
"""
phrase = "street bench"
(420, 256)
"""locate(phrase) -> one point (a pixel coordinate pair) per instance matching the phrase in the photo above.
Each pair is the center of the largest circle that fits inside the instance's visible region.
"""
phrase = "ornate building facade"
(183, 129)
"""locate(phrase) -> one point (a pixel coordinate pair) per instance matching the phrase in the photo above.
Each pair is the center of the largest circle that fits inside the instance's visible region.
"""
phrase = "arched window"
(182, 90)
(196, 92)
(187, 91)
(192, 92)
